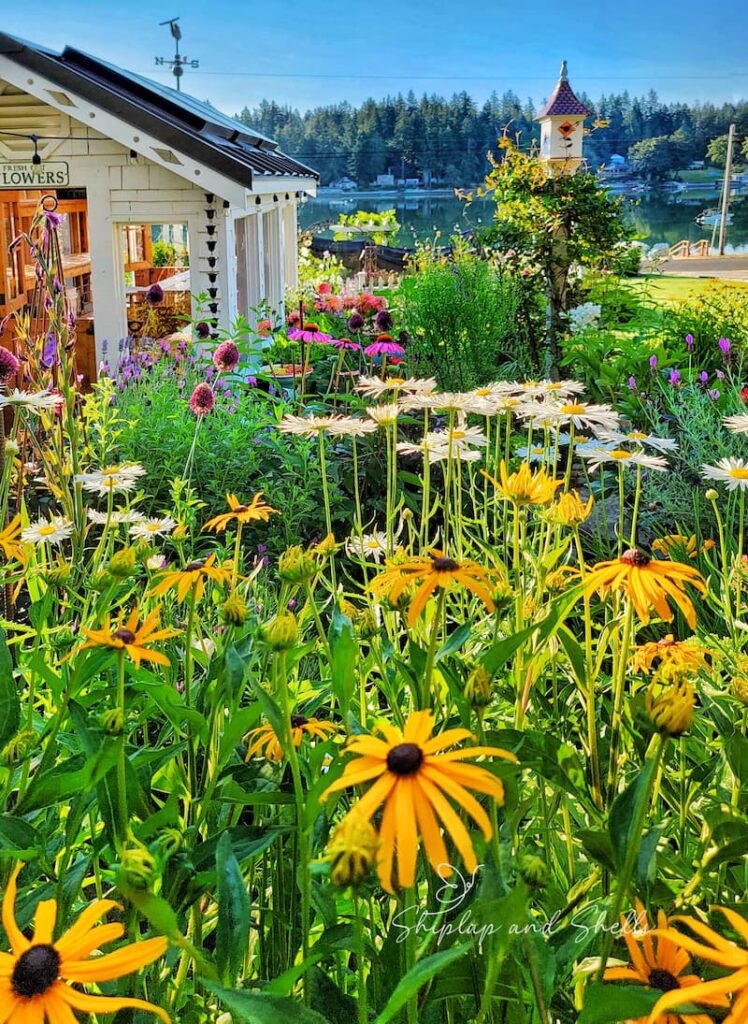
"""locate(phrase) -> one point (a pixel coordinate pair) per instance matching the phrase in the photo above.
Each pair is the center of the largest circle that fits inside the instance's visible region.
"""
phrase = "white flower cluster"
(586, 315)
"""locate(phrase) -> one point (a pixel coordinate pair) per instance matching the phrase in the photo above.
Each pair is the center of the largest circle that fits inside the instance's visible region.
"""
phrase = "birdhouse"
(562, 128)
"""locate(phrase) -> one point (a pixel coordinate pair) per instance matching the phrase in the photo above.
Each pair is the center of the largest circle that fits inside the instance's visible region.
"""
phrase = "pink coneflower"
(226, 356)
(385, 345)
(308, 333)
(9, 365)
(264, 327)
(345, 343)
(155, 295)
(202, 400)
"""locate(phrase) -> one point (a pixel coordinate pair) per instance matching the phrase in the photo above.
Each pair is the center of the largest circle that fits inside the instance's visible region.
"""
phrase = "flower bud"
(352, 850)
(670, 707)
(478, 687)
(296, 565)
(349, 609)
(234, 611)
(112, 722)
(58, 575)
(19, 748)
(711, 494)
(326, 546)
(533, 870)
(367, 625)
(138, 867)
(122, 563)
(281, 633)
(169, 841)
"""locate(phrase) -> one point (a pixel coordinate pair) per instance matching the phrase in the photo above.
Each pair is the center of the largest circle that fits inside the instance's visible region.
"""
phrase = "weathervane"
(178, 63)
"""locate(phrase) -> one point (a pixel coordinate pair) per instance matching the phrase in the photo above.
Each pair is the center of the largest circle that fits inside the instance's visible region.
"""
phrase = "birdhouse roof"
(563, 103)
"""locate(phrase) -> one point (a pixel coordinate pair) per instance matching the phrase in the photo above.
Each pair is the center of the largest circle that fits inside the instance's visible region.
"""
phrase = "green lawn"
(672, 288)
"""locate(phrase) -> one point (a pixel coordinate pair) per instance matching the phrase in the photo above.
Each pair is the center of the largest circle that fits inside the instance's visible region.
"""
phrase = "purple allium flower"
(155, 295)
(356, 322)
(675, 377)
(202, 399)
(713, 394)
(226, 356)
(720, 375)
(632, 383)
(383, 320)
(703, 376)
(9, 365)
(724, 344)
(202, 330)
(689, 341)
(291, 604)
(653, 363)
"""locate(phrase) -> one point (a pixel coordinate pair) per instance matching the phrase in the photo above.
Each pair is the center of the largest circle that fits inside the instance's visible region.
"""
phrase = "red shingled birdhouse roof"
(563, 102)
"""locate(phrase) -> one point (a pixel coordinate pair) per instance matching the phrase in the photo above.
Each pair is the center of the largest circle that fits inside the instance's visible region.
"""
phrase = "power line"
(462, 78)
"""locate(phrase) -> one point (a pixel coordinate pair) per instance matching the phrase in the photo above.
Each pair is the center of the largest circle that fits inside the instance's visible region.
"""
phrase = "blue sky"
(330, 50)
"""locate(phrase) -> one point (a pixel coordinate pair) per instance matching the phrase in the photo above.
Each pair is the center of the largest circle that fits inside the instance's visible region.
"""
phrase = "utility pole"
(726, 192)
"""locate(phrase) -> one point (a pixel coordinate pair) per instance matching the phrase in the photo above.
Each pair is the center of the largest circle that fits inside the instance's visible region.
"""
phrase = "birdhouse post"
(562, 128)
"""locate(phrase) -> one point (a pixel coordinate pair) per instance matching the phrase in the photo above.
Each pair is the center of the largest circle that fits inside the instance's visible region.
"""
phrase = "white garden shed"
(125, 153)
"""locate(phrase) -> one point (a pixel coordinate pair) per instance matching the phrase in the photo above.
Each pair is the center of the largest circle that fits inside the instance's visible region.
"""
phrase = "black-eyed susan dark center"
(35, 971)
(663, 980)
(445, 565)
(405, 759)
(298, 720)
(635, 557)
(125, 635)
(241, 508)
(194, 566)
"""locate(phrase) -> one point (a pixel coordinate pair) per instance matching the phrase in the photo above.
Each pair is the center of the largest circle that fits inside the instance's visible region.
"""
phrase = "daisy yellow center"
(372, 545)
(482, 392)
(619, 453)
(396, 382)
(663, 980)
(458, 435)
(581, 439)
(445, 565)
(35, 971)
(125, 635)
(553, 387)
(573, 409)
(538, 451)
(738, 473)
(637, 435)
(405, 759)
(47, 531)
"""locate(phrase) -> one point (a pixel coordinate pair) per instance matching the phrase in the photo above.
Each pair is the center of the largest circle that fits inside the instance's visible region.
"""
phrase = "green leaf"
(261, 1008)
(606, 1003)
(17, 835)
(232, 927)
(416, 978)
(625, 812)
(454, 642)
(344, 655)
(497, 656)
(10, 704)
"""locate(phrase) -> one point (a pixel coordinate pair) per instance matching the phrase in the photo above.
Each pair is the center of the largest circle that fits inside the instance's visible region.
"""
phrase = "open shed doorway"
(156, 254)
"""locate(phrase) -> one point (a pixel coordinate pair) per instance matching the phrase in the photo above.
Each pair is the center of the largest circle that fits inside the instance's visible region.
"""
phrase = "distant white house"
(617, 165)
(125, 153)
(385, 180)
(344, 184)
(697, 165)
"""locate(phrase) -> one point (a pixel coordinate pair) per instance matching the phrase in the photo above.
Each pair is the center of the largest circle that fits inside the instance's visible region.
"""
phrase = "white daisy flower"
(32, 401)
(586, 414)
(450, 401)
(149, 528)
(660, 444)
(47, 531)
(599, 456)
(116, 518)
(374, 387)
(368, 546)
(384, 415)
(538, 453)
(737, 424)
(733, 473)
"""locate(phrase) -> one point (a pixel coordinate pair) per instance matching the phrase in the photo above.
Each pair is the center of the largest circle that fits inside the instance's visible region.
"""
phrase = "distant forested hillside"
(448, 138)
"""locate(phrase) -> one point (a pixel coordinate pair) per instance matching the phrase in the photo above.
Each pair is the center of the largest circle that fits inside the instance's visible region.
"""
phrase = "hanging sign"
(27, 175)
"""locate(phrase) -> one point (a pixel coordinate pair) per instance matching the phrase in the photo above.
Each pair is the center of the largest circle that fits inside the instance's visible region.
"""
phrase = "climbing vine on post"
(557, 222)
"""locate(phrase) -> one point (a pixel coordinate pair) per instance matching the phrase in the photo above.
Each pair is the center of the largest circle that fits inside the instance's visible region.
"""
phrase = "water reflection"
(656, 218)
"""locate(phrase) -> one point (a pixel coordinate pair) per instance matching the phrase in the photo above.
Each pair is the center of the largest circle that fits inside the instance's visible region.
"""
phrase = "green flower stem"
(635, 513)
(409, 910)
(597, 795)
(124, 820)
(725, 568)
(619, 683)
(301, 832)
(237, 550)
(362, 995)
(188, 668)
(654, 756)
(423, 697)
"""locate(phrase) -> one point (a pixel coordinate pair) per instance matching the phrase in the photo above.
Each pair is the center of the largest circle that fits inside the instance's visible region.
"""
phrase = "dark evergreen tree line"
(448, 138)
